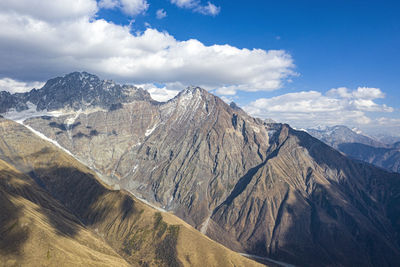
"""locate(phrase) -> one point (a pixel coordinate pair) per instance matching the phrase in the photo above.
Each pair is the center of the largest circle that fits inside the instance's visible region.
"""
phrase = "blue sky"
(323, 46)
(333, 43)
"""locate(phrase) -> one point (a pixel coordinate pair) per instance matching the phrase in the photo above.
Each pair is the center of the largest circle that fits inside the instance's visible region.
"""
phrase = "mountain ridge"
(259, 188)
(128, 232)
(360, 147)
(74, 91)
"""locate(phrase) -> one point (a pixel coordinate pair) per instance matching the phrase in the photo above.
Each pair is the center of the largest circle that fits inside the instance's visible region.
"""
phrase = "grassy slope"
(137, 232)
(28, 235)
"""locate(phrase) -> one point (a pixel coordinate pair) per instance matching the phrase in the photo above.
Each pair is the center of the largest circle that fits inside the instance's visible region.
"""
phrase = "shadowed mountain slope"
(36, 230)
(80, 221)
(308, 199)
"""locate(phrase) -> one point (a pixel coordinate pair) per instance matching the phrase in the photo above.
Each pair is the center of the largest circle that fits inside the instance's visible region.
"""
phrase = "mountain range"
(257, 187)
(361, 147)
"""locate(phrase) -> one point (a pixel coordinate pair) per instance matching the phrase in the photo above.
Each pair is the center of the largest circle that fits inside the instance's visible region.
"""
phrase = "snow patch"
(271, 133)
(134, 168)
(357, 131)
(255, 129)
(20, 116)
(71, 120)
(149, 131)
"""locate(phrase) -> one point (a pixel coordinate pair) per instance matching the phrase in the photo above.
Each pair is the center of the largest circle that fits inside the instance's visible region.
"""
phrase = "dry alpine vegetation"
(55, 212)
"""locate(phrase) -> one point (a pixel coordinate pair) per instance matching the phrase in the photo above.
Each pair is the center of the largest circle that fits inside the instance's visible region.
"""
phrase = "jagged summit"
(338, 134)
(77, 90)
(193, 88)
(82, 90)
(192, 91)
(234, 106)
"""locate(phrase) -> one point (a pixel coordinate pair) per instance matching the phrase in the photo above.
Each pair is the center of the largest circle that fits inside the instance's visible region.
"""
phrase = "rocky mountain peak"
(74, 91)
(191, 99)
(192, 92)
(83, 76)
(338, 134)
(234, 106)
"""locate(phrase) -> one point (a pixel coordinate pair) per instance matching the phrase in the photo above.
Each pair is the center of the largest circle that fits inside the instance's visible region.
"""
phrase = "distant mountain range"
(75, 91)
(257, 187)
(360, 147)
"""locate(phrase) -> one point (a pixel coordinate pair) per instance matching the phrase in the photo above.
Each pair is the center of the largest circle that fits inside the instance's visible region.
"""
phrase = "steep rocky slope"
(182, 154)
(257, 187)
(308, 199)
(387, 158)
(55, 211)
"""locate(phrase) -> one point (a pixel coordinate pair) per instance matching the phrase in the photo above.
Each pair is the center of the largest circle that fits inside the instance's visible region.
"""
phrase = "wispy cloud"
(161, 13)
(14, 86)
(129, 7)
(186, 3)
(209, 9)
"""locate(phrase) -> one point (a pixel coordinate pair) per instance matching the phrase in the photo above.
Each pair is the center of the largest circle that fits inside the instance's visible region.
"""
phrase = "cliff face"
(257, 187)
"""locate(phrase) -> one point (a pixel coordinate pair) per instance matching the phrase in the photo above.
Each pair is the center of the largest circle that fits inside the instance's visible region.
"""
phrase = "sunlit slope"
(138, 233)
(36, 230)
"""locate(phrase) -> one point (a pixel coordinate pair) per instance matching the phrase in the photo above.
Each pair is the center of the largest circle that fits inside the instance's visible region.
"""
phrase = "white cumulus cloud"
(164, 93)
(46, 10)
(35, 48)
(311, 108)
(13, 86)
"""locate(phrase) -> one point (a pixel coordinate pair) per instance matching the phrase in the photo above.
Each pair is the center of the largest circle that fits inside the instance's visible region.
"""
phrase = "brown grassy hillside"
(55, 212)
